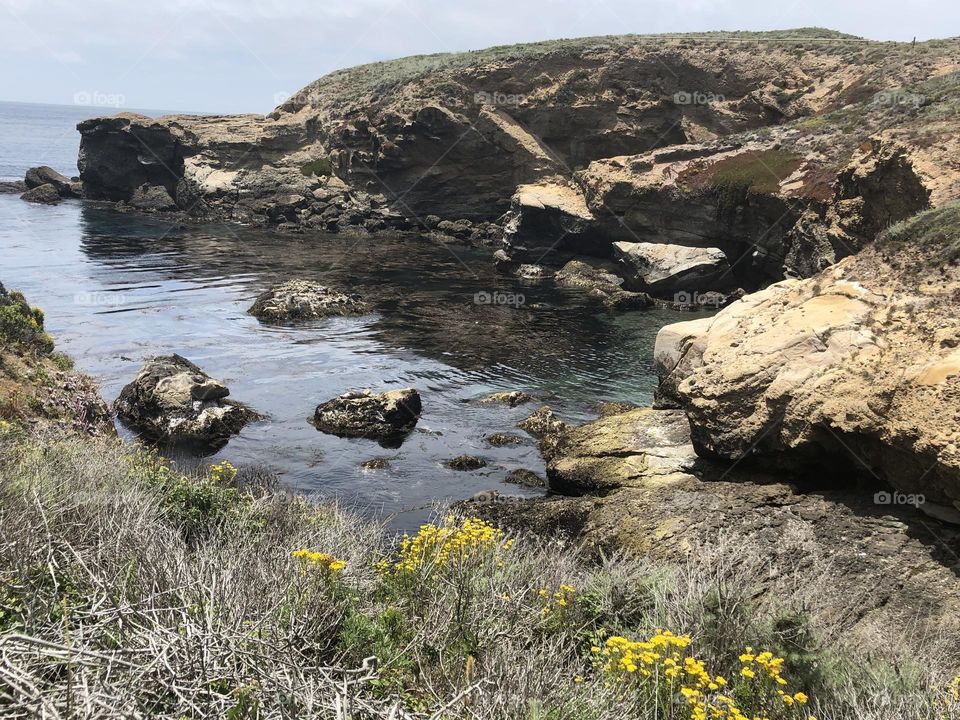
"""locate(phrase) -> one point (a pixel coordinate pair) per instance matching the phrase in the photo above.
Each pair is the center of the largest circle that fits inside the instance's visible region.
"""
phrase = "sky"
(249, 55)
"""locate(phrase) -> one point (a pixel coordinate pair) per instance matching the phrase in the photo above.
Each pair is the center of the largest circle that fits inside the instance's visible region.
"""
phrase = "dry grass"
(129, 591)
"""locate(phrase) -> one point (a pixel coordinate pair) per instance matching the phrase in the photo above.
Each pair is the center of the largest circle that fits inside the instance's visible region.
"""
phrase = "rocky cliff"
(777, 148)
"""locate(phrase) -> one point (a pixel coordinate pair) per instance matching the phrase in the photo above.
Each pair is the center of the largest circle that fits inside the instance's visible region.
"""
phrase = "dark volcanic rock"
(304, 300)
(152, 198)
(173, 400)
(524, 477)
(465, 462)
(386, 416)
(43, 175)
(43, 194)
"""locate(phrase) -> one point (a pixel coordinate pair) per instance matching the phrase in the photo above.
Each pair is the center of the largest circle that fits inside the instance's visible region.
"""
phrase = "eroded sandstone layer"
(786, 164)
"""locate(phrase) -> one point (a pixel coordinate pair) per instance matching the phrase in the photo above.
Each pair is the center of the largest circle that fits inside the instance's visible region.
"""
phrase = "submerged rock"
(503, 439)
(378, 463)
(465, 462)
(304, 300)
(511, 398)
(386, 416)
(173, 400)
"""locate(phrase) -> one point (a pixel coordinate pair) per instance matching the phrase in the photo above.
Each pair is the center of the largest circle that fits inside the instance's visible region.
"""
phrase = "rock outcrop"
(852, 374)
(386, 417)
(173, 401)
(42, 195)
(662, 269)
(296, 300)
(584, 142)
(634, 481)
(45, 175)
(39, 390)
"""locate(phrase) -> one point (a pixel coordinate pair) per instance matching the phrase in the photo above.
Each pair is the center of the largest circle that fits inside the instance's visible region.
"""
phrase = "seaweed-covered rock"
(386, 416)
(304, 300)
(465, 462)
(511, 398)
(173, 400)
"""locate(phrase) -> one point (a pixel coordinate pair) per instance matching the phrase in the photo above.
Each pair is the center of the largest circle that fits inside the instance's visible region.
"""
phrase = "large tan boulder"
(854, 373)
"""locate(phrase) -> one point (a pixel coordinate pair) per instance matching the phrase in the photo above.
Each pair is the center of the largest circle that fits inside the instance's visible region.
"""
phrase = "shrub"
(323, 166)
(129, 584)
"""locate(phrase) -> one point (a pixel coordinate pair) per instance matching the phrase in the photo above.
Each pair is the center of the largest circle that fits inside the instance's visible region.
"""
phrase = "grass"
(927, 240)
(129, 589)
(385, 77)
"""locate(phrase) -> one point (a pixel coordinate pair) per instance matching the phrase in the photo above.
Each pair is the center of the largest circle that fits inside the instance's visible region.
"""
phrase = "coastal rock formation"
(42, 194)
(386, 417)
(633, 481)
(172, 400)
(44, 175)
(662, 269)
(295, 300)
(854, 373)
(582, 143)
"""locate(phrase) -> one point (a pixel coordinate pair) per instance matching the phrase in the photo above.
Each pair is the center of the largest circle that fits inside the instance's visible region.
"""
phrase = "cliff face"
(659, 135)
(854, 372)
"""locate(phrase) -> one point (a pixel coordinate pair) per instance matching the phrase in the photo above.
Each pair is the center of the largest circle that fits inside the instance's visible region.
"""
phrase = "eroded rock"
(173, 400)
(662, 269)
(42, 194)
(296, 300)
(510, 398)
(386, 416)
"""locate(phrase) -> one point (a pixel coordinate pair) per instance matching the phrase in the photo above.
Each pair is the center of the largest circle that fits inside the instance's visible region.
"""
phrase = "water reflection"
(119, 287)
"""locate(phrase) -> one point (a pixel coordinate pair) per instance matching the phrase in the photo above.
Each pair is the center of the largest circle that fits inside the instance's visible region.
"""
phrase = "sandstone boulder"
(172, 400)
(386, 416)
(662, 269)
(296, 300)
(852, 374)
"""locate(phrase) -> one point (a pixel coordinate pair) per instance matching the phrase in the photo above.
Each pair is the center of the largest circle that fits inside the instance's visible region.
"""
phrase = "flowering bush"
(664, 673)
(452, 544)
(223, 472)
(325, 562)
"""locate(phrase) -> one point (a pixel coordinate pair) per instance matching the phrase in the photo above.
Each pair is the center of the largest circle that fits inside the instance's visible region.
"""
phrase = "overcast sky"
(245, 55)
